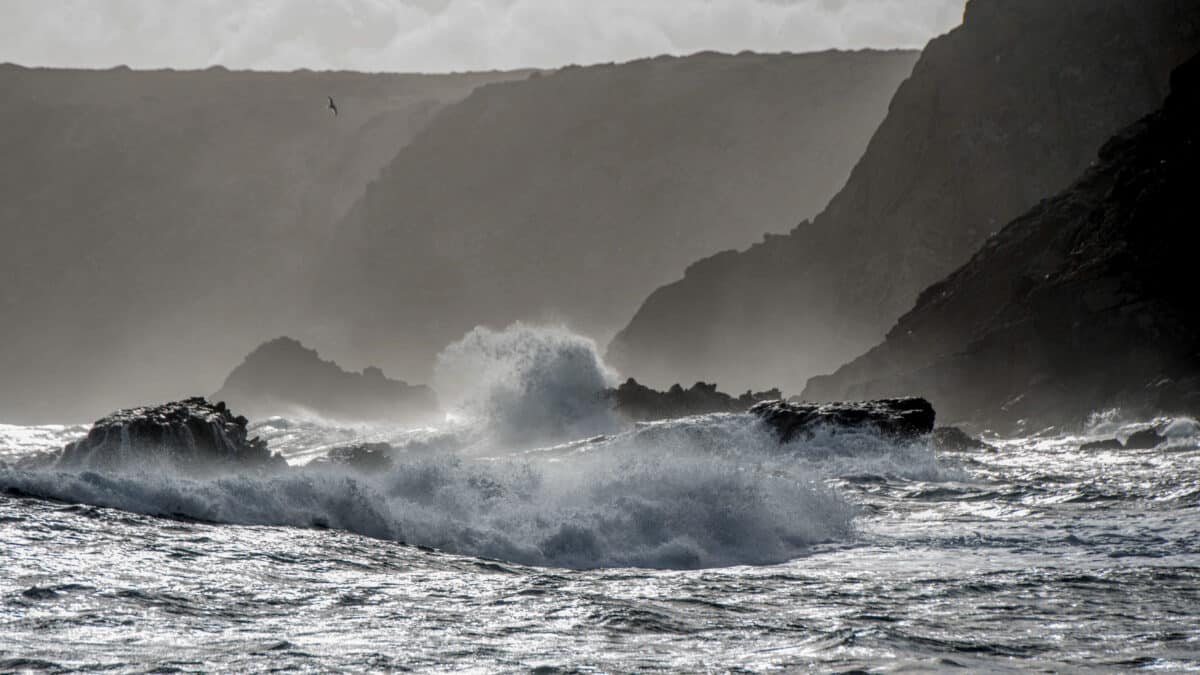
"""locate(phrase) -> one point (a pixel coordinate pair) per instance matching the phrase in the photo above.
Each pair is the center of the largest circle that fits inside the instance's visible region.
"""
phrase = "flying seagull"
(332, 106)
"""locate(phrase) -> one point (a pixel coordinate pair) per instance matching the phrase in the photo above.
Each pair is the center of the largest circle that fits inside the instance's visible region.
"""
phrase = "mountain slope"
(1002, 111)
(282, 377)
(568, 197)
(1084, 303)
(156, 223)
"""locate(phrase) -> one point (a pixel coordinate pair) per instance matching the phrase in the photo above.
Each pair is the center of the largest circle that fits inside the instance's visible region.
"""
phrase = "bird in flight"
(332, 106)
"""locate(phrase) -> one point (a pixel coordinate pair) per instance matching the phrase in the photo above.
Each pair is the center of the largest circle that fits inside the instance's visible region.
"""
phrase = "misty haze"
(516, 335)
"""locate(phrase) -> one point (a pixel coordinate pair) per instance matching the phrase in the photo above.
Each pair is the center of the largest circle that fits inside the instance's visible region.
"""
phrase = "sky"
(444, 35)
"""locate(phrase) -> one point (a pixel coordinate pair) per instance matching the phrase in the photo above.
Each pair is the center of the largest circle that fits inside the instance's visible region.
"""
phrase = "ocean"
(699, 544)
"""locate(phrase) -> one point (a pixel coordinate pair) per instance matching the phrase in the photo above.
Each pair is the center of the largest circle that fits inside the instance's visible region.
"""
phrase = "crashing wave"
(500, 482)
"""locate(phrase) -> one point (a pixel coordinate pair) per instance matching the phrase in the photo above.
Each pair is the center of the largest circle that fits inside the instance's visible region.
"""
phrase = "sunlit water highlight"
(846, 553)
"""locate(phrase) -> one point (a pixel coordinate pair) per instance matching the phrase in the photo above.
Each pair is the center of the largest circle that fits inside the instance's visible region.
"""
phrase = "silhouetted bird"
(332, 106)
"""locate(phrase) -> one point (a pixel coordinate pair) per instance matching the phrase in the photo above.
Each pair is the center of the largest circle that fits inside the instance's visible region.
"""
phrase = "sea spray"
(708, 491)
(527, 383)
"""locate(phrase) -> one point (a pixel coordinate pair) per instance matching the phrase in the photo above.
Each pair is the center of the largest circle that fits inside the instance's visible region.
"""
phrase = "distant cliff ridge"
(283, 377)
(570, 196)
(1087, 302)
(998, 114)
(145, 213)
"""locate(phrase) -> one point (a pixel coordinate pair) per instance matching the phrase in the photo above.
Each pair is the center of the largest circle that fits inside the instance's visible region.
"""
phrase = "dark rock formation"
(903, 418)
(1000, 113)
(1145, 439)
(1086, 302)
(572, 195)
(364, 457)
(643, 404)
(953, 439)
(1106, 444)
(283, 377)
(194, 436)
(147, 214)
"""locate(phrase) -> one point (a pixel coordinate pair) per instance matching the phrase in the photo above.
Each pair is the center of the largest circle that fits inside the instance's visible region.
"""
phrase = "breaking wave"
(527, 383)
(709, 491)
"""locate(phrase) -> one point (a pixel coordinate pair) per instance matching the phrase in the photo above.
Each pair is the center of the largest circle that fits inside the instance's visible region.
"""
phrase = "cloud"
(444, 35)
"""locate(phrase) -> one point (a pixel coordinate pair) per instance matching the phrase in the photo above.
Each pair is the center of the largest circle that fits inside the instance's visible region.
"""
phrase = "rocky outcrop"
(193, 436)
(1146, 439)
(998, 114)
(1087, 302)
(643, 404)
(150, 213)
(953, 439)
(901, 418)
(283, 377)
(570, 196)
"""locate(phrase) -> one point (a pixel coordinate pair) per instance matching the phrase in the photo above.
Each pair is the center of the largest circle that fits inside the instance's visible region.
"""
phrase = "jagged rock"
(1085, 303)
(953, 439)
(283, 377)
(640, 403)
(1145, 440)
(900, 417)
(193, 435)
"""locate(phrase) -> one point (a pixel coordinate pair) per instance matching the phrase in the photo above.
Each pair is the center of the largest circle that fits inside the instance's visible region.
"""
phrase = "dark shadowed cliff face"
(1086, 302)
(153, 223)
(569, 197)
(282, 377)
(1001, 112)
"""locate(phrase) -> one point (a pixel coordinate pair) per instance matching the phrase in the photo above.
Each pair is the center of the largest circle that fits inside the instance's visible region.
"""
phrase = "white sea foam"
(17, 440)
(708, 491)
(527, 383)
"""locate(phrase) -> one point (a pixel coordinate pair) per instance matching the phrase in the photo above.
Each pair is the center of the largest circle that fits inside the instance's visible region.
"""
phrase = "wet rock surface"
(1101, 445)
(192, 434)
(643, 404)
(1146, 439)
(363, 457)
(953, 439)
(903, 418)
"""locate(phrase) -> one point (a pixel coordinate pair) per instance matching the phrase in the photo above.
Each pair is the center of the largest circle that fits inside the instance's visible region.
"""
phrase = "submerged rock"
(1145, 440)
(365, 457)
(953, 439)
(899, 417)
(643, 404)
(1106, 444)
(193, 435)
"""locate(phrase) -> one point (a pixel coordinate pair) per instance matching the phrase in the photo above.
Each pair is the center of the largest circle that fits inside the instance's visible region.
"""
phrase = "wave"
(711, 491)
(1115, 423)
(16, 441)
(527, 383)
